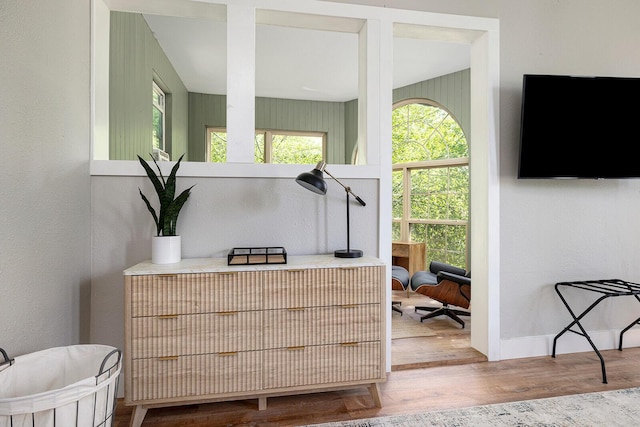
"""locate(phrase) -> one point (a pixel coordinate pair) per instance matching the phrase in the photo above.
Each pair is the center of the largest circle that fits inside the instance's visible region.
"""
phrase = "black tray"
(254, 256)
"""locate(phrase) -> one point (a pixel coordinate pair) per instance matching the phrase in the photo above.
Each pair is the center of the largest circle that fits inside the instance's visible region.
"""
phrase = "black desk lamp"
(315, 182)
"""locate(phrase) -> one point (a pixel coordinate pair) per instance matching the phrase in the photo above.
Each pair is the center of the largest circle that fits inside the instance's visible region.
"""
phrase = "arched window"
(430, 192)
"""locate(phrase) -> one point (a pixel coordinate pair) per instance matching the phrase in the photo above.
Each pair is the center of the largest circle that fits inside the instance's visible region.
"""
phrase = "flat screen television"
(579, 127)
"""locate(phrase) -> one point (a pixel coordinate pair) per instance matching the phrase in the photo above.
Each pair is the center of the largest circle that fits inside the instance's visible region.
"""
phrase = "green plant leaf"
(157, 184)
(167, 217)
(153, 211)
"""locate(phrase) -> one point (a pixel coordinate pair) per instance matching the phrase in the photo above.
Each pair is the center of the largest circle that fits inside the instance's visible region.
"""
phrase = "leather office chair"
(399, 282)
(446, 284)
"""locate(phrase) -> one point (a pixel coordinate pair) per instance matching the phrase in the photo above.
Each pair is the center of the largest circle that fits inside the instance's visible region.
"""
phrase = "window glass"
(443, 242)
(296, 149)
(158, 117)
(216, 145)
(280, 147)
(430, 153)
(259, 154)
(426, 132)
(396, 193)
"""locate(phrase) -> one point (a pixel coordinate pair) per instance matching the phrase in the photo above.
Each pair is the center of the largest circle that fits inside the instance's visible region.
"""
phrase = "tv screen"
(579, 127)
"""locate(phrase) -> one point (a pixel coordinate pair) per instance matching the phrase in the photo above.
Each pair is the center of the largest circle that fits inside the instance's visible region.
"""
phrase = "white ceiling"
(295, 63)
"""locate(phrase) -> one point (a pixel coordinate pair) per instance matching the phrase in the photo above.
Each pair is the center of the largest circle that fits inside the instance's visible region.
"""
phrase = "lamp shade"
(313, 181)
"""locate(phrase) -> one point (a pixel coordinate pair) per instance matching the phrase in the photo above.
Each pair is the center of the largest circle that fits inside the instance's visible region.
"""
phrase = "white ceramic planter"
(166, 249)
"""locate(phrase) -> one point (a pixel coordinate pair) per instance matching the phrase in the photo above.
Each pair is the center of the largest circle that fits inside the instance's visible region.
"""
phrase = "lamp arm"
(347, 189)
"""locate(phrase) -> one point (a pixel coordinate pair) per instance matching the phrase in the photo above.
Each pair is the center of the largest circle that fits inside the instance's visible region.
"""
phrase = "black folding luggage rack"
(607, 288)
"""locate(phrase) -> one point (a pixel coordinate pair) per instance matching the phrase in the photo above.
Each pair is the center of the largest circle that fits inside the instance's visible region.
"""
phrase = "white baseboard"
(542, 345)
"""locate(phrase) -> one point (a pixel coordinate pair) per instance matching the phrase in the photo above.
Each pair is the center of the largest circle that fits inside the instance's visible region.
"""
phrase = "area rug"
(608, 408)
(408, 325)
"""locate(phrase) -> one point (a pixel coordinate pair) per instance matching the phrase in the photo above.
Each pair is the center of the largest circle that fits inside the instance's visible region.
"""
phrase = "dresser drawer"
(174, 335)
(212, 374)
(323, 325)
(153, 295)
(301, 366)
(322, 287)
(212, 332)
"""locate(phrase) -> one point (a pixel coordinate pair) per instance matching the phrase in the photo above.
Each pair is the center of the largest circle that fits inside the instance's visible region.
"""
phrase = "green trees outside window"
(430, 181)
(279, 147)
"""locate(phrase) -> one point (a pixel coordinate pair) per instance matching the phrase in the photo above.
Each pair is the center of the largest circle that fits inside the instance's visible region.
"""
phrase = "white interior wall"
(45, 219)
(550, 230)
(563, 230)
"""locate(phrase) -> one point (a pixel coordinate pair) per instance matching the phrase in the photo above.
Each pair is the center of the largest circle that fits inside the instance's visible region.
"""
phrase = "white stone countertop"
(213, 265)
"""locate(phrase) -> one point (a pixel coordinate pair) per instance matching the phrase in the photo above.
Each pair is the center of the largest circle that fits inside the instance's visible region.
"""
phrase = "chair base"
(394, 307)
(444, 311)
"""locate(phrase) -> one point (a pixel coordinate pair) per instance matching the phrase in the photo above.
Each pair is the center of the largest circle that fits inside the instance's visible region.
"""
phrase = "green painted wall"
(136, 59)
(271, 114)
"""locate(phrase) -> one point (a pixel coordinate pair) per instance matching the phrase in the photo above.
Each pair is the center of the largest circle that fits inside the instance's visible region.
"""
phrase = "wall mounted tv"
(579, 127)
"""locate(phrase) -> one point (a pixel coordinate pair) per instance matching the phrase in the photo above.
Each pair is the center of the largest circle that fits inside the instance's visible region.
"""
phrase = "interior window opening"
(430, 182)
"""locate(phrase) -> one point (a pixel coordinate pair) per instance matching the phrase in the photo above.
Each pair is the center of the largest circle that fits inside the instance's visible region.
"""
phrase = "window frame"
(161, 107)
(406, 221)
(268, 140)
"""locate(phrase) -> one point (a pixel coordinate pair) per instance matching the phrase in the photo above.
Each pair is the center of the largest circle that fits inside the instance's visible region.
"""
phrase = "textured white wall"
(44, 177)
(564, 230)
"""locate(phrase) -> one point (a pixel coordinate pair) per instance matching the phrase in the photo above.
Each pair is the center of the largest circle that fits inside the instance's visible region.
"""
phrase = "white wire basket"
(60, 387)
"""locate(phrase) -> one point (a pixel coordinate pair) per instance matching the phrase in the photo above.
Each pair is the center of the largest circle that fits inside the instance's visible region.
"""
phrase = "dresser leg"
(262, 403)
(375, 394)
(138, 416)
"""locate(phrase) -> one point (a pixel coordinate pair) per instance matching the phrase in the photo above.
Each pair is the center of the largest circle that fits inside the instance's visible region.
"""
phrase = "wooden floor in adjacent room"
(439, 371)
(447, 344)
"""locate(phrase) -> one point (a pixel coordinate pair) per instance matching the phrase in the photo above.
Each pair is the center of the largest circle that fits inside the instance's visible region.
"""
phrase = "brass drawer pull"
(349, 306)
(296, 348)
(227, 353)
(227, 273)
(166, 275)
(168, 316)
(226, 313)
(297, 270)
(349, 344)
(167, 358)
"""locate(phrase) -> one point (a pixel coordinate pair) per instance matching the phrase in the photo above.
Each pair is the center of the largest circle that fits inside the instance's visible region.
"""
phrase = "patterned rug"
(408, 325)
(608, 408)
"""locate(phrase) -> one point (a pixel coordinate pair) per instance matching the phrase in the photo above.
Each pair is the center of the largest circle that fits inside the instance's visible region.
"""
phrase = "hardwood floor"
(428, 373)
(450, 346)
(417, 390)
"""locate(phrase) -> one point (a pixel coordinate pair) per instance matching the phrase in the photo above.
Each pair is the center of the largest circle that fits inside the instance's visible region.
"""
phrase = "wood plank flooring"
(416, 390)
(428, 373)
(451, 345)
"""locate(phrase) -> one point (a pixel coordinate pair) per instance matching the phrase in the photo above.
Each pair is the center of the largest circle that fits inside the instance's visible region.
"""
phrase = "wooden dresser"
(202, 331)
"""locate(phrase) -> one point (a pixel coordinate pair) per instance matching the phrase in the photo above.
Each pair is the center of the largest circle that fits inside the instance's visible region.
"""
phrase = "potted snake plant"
(166, 244)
